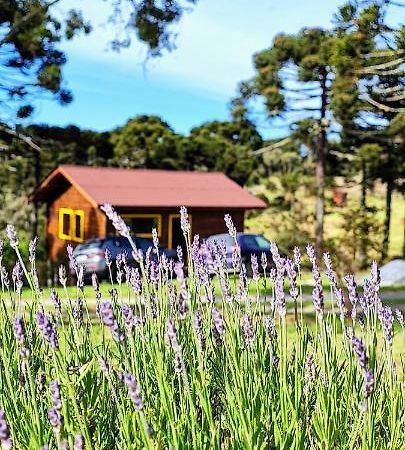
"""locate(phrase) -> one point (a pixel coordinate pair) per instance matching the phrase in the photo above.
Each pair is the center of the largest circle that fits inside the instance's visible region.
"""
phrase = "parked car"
(249, 244)
(91, 253)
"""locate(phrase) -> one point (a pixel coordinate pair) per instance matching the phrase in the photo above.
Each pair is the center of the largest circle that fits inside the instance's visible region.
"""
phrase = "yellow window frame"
(73, 235)
(170, 228)
(146, 216)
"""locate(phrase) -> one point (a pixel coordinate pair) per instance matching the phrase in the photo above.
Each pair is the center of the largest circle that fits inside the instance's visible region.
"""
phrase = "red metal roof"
(153, 188)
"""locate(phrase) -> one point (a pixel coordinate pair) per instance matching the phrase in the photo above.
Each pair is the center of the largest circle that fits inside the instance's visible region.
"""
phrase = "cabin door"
(176, 237)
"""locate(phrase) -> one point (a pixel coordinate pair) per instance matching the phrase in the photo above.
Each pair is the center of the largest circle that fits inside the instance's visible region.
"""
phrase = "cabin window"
(176, 237)
(142, 224)
(71, 224)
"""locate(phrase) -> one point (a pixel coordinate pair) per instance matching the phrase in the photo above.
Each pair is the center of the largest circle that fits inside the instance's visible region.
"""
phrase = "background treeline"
(339, 91)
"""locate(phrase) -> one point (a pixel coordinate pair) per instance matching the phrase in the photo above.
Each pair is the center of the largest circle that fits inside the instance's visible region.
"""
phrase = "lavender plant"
(159, 360)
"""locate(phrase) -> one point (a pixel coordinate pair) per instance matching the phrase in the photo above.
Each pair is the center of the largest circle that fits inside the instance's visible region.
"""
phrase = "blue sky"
(194, 83)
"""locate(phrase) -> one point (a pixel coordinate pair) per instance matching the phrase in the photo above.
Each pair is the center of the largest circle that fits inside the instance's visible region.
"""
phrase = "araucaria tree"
(294, 79)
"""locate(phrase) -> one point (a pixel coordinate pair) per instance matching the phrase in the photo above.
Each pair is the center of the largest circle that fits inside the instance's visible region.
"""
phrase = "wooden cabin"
(146, 199)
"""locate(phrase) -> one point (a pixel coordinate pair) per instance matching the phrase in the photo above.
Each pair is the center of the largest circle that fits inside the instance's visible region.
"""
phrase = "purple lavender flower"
(54, 413)
(117, 222)
(56, 419)
(134, 391)
(218, 324)
(40, 381)
(64, 445)
(17, 276)
(329, 270)
(375, 276)
(360, 351)
(195, 248)
(352, 290)
(178, 363)
(154, 272)
(171, 335)
(309, 372)
(78, 312)
(198, 328)
(79, 442)
(107, 315)
(104, 365)
(243, 283)
(255, 267)
(292, 276)
(12, 236)
(270, 328)
(369, 382)
(4, 277)
(263, 260)
(80, 277)
(56, 301)
(183, 297)
(135, 281)
(62, 275)
(276, 255)
(317, 293)
(400, 317)
(280, 302)
(297, 257)
(311, 253)
(318, 301)
(179, 252)
(5, 438)
(32, 248)
(128, 315)
(184, 221)
(155, 238)
(48, 329)
(19, 329)
(387, 321)
(54, 389)
(248, 331)
(72, 257)
(231, 227)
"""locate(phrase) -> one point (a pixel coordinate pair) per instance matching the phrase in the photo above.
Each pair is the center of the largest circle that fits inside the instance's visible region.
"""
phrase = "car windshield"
(90, 245)
(256, 241)
(225, 238)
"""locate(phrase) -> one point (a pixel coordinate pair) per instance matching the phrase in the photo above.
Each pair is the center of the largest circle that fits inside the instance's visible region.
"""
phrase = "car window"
(143, 244)
(226, 238)
(255, 241)
(88, 246)
(263, 243)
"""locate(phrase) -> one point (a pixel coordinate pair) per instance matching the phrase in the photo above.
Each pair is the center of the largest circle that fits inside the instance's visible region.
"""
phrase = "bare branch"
(383, 107)
(272, 146)
(27, 139)
(382, 66)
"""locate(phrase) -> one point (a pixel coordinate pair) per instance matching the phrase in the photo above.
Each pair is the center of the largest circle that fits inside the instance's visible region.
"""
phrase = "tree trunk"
(403, 224)
(387, 221)
(37, 175)
(363, 212)
(320, 169)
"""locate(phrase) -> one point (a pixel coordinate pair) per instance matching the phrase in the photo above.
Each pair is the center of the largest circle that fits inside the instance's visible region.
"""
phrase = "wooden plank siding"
(94, 222)
(204, 222)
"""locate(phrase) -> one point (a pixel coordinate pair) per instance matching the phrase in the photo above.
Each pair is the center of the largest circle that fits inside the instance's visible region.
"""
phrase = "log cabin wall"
(94, 222)
(204, 222)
